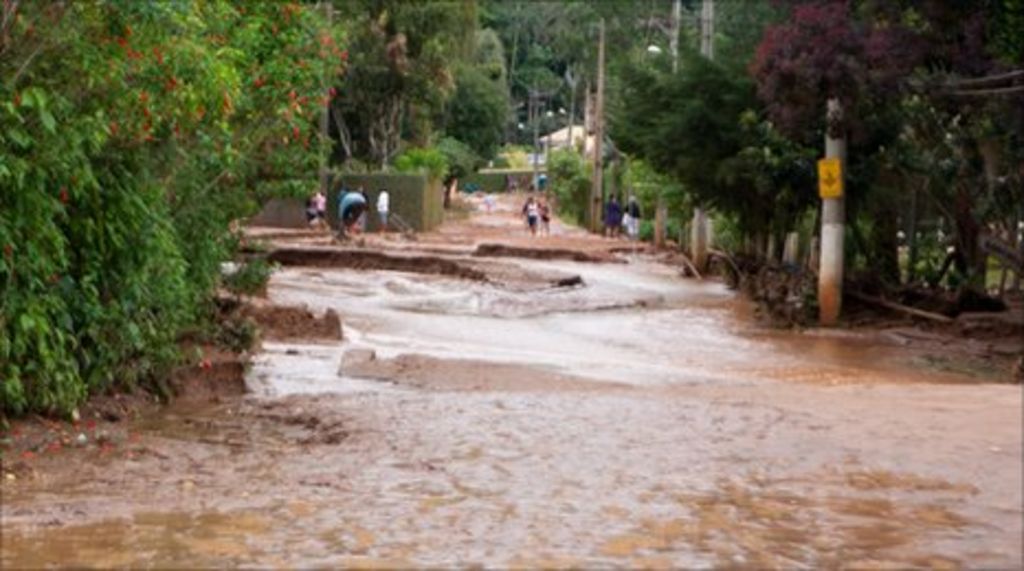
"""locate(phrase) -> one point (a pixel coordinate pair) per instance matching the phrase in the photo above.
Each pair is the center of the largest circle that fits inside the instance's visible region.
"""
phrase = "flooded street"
(636, 420)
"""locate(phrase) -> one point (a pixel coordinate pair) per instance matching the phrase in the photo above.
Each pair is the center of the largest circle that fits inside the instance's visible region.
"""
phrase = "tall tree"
(401, 72)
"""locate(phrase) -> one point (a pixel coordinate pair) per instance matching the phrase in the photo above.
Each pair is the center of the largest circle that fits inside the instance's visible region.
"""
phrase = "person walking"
(383, 205)
(545, 218)
(633, 218)
(612, 217)
(532, 212)
(320, 202)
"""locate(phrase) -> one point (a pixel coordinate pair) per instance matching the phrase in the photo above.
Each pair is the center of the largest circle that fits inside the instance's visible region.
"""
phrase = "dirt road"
(504, 417)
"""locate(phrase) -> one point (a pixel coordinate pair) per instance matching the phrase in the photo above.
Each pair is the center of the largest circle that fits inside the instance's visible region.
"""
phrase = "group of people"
(352, 207)
(537, 214)
(616, 217)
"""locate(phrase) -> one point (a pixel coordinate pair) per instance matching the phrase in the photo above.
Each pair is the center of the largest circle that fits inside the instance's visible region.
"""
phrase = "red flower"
(332, 91)
(171, 83)
(17, 99)
(113, 127)
(291, 95)
(27, 455)
(159, 55)
(295, 133)
(64, 194)
(259, 82)
(344, 55)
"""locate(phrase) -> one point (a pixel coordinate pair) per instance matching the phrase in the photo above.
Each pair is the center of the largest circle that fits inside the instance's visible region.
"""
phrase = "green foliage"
(570, 182)
(130, 135)
(461, 159)
(477, 112)
(250, 278)
(515, 156)
(237, 334)
(497, 180)
(429, 161)
(401, 73)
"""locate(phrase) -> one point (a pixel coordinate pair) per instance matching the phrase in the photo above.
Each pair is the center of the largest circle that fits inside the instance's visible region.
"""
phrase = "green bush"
(570, 182)
(237, 334)
(428, 161)
(496, 181)
(250, 278)
(131, 134)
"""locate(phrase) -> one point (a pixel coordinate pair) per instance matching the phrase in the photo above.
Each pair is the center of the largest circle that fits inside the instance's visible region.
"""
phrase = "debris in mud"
(571, 281)
(425, 372)
(784, 295)
(371, 260)
(287, 322)
(505, 250)
(219, 374)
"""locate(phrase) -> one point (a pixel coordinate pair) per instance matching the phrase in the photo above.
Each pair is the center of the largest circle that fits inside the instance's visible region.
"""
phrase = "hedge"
(495, 180)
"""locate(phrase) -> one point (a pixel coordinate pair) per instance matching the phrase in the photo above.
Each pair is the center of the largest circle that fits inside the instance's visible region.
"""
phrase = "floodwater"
(640, 420)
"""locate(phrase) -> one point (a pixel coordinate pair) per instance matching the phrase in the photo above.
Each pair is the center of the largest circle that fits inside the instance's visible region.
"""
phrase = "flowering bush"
(131, 135)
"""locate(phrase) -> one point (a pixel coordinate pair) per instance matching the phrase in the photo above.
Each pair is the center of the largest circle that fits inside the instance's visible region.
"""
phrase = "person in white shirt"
(383, 204)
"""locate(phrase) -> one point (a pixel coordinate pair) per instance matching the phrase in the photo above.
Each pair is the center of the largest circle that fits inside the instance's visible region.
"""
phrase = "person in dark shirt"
(612, 217)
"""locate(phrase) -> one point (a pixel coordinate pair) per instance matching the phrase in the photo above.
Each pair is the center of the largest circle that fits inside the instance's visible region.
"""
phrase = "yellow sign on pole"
(830, 178)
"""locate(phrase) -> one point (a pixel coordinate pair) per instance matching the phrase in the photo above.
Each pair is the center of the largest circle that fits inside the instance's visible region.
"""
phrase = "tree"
(401, 73)
(130, 136)
(477, 112)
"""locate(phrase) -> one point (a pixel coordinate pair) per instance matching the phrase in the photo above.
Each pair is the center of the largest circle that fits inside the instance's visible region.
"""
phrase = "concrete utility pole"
(535, 116)
(699, 230)
(598, 182)
(325, 118)
(707, 29)
(661, 210)
(673, 40)
(571, 80)
(833, 220)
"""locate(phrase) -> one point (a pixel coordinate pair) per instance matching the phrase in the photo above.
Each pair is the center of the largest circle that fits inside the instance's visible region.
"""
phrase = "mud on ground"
(279, 322)
(432, 373)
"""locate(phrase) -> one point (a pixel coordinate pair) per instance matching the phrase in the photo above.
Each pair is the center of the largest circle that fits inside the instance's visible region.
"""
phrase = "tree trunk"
(968, 258)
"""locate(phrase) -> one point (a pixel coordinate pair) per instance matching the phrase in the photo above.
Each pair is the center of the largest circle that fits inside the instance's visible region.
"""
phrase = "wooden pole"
(833, 227)
(598, 182)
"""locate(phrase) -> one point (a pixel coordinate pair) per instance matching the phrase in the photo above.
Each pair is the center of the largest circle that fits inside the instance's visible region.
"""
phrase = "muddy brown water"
(638, 420)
